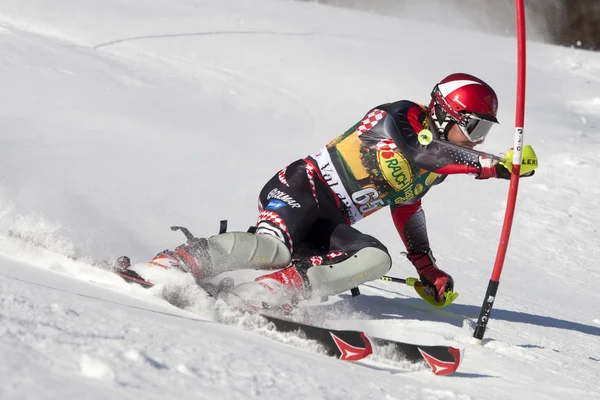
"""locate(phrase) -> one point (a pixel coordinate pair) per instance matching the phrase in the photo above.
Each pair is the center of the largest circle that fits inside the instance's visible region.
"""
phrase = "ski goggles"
(475, 128)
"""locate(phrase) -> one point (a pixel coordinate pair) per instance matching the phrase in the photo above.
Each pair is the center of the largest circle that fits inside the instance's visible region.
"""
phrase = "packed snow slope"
(121, 118)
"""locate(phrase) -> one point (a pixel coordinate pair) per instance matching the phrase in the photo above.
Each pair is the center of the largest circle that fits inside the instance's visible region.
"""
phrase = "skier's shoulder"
(406, 114)
(401, 107)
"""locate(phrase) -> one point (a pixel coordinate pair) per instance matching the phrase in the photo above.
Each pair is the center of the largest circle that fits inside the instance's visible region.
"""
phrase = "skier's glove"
(490, 168)
(435, 281)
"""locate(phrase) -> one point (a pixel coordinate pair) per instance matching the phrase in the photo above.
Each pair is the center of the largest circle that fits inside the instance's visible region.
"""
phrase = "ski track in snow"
(112, 135)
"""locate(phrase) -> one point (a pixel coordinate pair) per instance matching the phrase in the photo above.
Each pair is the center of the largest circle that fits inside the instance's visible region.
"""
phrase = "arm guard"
(410, 224)
(404, 121)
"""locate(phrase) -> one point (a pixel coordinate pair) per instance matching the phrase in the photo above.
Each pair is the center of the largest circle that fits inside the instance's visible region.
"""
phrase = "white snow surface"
(122, 118)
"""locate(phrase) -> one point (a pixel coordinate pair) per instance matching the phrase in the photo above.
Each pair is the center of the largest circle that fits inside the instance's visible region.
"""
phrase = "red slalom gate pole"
(490, 295)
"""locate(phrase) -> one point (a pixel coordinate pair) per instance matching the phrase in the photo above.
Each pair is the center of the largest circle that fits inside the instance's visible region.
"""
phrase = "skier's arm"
(402, 123)
(409, 220)
(410, 223)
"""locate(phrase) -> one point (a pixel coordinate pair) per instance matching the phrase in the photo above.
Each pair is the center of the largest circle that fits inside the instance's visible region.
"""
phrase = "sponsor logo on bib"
(395, 168)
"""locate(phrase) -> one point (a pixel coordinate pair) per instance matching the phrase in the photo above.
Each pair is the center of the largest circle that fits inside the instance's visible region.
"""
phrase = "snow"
(122, 118)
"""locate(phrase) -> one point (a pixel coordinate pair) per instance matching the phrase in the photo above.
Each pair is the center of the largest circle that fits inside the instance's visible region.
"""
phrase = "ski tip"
(439, 367)
(132, 277)
(348, 352)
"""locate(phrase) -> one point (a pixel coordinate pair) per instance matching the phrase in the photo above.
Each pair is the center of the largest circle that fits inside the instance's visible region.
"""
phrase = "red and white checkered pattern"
(335, 254)
(274, 218)
(310, 172)
(386, 145)
(260, 206)
(282, 179)
(316, 260)
(371, 120)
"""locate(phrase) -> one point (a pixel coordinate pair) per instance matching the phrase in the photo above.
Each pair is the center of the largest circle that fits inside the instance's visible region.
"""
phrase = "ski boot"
(278, 292)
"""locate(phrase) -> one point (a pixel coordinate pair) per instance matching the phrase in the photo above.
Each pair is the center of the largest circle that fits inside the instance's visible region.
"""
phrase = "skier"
(304, 230)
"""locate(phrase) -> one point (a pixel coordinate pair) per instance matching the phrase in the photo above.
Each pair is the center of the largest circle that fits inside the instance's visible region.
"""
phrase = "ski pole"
(416, 284)
(408, 281)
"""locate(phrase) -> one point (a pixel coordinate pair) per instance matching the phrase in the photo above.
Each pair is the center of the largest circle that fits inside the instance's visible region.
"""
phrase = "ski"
(348, 345)
(121, 268)
(133, 277)
(351, 345)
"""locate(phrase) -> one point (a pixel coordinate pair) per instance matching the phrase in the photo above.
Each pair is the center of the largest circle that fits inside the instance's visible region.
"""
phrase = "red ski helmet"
(467, 101)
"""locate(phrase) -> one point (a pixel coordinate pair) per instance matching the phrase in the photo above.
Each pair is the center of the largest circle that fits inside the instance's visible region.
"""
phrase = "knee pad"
(235, 250)
(367, 264)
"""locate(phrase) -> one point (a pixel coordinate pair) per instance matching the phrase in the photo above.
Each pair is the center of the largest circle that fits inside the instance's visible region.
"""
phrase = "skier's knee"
(367, 242)
(368, 264)
(346, 238)
(234, 250)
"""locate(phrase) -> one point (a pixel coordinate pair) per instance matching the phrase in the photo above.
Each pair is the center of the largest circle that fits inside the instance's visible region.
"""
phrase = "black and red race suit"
(378, 162)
